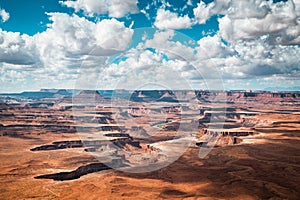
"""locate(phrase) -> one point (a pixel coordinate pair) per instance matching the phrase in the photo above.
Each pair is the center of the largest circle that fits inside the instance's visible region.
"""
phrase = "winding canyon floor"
(263, 166)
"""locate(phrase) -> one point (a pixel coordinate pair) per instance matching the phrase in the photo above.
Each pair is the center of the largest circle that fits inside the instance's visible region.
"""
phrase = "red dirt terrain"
(77, 152)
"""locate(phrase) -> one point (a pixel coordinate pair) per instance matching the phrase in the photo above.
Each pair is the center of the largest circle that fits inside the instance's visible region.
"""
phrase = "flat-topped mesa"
(88, 97)
(185, 95)
(168, 96)
(63, 92)
(207, 96)
(163, 96)
(153, 95)
(246, 96)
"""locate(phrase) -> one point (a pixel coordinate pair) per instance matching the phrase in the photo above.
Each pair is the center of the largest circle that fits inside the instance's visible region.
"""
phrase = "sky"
(142, 44)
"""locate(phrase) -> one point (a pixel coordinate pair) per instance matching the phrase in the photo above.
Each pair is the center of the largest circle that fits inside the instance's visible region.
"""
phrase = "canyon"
(152, 144)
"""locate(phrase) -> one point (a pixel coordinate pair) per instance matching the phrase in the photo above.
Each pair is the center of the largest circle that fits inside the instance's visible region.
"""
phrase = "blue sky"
(25, 23)
(217, 44)
(29, 17)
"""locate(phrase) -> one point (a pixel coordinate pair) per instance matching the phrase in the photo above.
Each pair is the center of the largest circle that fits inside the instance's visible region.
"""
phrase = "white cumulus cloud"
(166, 19)
(59, 51)
(17, 49)
(4, 16)
(145, 67)
(254, 18)
(248, 59)
(163, 40)
(114, 8)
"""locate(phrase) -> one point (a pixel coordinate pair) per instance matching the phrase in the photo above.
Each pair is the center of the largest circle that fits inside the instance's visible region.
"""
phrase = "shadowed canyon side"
(252, 139)
(80, 171)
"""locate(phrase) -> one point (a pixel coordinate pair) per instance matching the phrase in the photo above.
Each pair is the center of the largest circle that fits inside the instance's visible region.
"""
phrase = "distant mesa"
(168, 96)
(56, 92)
(88, 97)
(38, 95)
(153, 95)
(146, 95)
(63, 92)
(63, 97)
(49, 90)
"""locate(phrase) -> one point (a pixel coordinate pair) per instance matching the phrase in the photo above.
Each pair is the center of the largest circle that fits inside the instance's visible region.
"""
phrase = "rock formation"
(88, 97)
